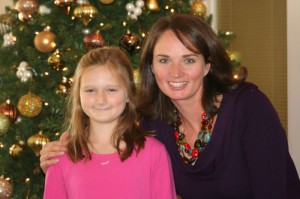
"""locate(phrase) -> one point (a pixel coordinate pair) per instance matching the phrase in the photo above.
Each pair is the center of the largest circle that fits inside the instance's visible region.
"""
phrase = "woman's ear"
(207, 68)
(152, 68)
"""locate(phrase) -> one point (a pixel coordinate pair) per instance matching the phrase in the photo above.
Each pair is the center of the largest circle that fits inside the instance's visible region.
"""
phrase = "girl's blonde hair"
(77, 121)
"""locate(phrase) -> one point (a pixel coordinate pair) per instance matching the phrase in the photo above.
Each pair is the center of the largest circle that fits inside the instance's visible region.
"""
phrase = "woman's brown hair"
(198, 37)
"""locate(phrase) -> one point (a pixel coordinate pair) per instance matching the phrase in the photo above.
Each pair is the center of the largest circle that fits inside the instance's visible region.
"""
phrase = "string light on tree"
(152, 5)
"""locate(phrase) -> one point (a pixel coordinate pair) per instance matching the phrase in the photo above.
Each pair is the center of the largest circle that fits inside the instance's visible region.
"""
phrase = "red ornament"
(10, 111)
(130, 42)
(93, 40)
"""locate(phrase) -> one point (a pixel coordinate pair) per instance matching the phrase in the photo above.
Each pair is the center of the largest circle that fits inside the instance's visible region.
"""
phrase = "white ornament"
(139, 3)
(133, 16)
(23, 72)
(135, 10)
(43, 10)
(129, 7)
(9, 39)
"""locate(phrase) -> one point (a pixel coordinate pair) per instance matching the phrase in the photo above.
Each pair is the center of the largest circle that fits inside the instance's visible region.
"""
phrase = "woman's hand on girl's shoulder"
(52, 150)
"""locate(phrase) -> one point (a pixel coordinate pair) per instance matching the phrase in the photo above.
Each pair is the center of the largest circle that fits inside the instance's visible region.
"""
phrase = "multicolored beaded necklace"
(203, 138)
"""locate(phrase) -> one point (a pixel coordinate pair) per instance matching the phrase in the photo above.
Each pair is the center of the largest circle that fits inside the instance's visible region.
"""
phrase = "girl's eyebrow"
(187, 55)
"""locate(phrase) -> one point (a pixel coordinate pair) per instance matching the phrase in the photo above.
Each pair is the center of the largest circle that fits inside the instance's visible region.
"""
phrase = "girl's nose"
(101, 97)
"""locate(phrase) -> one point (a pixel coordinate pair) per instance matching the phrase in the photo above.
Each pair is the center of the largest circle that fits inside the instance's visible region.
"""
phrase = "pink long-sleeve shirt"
(146, 175)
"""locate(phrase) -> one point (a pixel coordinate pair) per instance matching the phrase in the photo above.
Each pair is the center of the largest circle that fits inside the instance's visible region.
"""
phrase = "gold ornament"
(85, 13)
(37, 141)
(54, 60)
(106, 1)
(152, 5)
(45, 41)
(66, 4)
(198, 8)
(27, 7)
(16, 149)
(65, 86)
(30, 105)
(5, 188)
(4, 124)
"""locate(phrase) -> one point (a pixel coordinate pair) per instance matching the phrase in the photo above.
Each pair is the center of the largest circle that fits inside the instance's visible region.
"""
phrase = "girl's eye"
(111, 90)
(90, 90)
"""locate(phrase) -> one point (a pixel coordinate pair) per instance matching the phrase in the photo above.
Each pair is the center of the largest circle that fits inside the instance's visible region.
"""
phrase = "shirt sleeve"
(54, 183)
(162, 179)
(265, 147)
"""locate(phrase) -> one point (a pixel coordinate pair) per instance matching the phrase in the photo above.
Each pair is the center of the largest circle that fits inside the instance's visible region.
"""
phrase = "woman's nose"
(175, 70)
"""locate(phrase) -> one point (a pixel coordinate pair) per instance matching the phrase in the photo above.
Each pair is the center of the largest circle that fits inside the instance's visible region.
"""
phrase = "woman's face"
(178, 71)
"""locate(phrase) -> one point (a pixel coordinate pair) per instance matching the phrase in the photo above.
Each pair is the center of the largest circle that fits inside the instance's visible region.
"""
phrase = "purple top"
(247, 156)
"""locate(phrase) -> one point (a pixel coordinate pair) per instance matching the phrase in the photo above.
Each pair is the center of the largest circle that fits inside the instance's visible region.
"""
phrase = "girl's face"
(178, 71)
(102, 96)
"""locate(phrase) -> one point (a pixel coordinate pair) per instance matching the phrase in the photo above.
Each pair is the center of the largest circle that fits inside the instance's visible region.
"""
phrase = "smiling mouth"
(100, 108)
(178, 84)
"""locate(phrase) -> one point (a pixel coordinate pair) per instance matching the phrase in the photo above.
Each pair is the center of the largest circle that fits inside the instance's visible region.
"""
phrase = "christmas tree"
(42, 41)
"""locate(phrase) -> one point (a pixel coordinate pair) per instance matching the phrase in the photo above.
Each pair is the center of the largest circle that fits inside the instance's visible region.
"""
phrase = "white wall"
(293, 58)
(5, 3)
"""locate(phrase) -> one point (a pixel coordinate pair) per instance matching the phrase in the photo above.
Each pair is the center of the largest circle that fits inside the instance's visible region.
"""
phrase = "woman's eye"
(163, 61)
(189, 61)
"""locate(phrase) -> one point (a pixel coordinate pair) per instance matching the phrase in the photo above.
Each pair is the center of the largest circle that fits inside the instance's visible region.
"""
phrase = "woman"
(223, 135)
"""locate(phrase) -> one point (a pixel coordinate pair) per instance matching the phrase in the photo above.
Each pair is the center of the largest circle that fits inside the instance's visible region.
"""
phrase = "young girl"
(107, 155)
